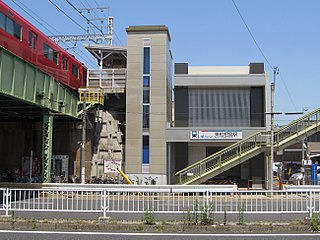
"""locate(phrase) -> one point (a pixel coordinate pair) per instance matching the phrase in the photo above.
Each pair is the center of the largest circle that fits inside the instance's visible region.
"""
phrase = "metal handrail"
(93, 95)
(222, 157)
(244, 146)
(308, 121)
(114, 78)
(299, 119)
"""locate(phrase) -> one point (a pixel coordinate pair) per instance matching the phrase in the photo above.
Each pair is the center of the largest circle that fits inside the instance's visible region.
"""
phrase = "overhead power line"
(253, 38)
(88, 3)
(287, 90)
(67, 15)
(88, 61)
(86, 7)
(30, 15)
(262, 53)
(88, 20)
(96, 3)
(104, 13)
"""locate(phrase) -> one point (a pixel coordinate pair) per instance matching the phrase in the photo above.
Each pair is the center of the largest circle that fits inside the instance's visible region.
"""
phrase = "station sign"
(111, 165)
(216, 135)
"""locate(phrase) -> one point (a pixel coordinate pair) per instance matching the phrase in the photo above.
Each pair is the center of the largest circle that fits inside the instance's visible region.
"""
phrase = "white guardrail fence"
(106, 199)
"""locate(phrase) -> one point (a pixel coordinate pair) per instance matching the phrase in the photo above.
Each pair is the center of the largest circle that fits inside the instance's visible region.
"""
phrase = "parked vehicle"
(297, 178)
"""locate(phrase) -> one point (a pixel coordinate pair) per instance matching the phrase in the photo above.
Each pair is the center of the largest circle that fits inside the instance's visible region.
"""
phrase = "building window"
(146, 60)
(146, 116)
(50, 53)
(145, 150)
(146, 95)
(146, 103)
(146, 81)
(219, 107)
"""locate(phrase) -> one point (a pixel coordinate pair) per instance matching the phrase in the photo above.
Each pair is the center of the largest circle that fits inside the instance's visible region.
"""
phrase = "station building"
(216, 106)
(151, 124)
(212, 108)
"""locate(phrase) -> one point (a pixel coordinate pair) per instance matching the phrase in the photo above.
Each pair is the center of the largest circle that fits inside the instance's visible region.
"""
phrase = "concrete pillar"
(266, 171)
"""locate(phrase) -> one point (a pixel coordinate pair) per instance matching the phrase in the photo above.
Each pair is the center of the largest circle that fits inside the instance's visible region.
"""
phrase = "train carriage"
(27, 42)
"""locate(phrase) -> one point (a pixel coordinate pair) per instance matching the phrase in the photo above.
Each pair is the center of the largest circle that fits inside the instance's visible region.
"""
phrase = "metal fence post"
(104, 207)
(207, 199)
(310, 204)
(7, 203)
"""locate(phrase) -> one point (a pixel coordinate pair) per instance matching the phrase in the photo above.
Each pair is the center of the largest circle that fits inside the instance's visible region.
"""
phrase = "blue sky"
(211, 32)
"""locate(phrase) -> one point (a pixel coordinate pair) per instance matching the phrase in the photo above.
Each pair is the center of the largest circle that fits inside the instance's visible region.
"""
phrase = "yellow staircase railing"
(297, 130)
(249, 147)
(92, 95)
(201, 170)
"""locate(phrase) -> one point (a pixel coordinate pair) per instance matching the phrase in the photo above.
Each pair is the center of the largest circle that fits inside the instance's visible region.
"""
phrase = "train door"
(65, 68)
(32, 43)
(84, 77)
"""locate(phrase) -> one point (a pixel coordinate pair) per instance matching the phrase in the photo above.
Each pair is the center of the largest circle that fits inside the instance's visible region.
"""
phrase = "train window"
(9, 26)
(75, 71)
(16, 30)
(64, 63)
(49, 53)
(32, 39)
(2, 21)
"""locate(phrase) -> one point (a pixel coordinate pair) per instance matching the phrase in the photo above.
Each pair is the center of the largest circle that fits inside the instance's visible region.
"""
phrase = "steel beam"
(47, 128)
(23, 82)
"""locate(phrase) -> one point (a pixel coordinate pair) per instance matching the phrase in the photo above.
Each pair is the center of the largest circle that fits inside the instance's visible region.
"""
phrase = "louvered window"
(219, 107)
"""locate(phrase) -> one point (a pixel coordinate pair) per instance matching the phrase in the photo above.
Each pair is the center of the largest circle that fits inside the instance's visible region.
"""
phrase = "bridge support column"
(47, 128)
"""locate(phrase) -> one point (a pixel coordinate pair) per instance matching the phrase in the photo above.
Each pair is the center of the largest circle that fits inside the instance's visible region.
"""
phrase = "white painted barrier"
(159, 199)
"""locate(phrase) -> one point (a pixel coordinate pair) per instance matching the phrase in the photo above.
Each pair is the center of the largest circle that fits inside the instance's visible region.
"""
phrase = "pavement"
(110, 225)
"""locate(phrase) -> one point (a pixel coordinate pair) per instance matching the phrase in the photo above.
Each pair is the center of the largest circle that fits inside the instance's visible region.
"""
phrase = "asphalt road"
(46, 235)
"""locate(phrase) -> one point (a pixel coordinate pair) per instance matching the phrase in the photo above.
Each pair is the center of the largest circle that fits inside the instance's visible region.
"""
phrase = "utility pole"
(100, 28)
(83, 144)
(275, 72)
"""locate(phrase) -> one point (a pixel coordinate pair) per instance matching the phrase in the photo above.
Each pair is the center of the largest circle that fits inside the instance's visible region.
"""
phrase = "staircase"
(247, 148)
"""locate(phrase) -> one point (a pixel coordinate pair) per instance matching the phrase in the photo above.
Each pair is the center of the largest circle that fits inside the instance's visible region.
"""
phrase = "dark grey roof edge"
(149, 28)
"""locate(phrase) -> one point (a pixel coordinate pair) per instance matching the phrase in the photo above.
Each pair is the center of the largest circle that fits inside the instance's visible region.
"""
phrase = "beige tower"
(148, 102)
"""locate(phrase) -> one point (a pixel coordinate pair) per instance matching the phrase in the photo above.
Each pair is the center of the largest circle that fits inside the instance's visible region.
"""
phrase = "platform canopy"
(109, 56)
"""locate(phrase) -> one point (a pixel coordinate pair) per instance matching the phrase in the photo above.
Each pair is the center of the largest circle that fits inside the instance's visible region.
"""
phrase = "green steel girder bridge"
(27, 93)
(248, 148)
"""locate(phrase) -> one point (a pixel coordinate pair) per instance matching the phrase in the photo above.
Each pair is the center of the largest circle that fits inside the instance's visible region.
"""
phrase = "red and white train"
(24, 40)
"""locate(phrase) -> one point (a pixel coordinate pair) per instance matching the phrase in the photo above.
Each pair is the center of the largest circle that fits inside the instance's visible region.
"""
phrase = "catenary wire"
(253, 38)
(96, 3)
(90, 12)
(67, 15)
(88, 62)
(87, 3)
(104, 15)
(30, 15)
(262, 53)
(287, 90)
(88, 20)
(115, 33)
